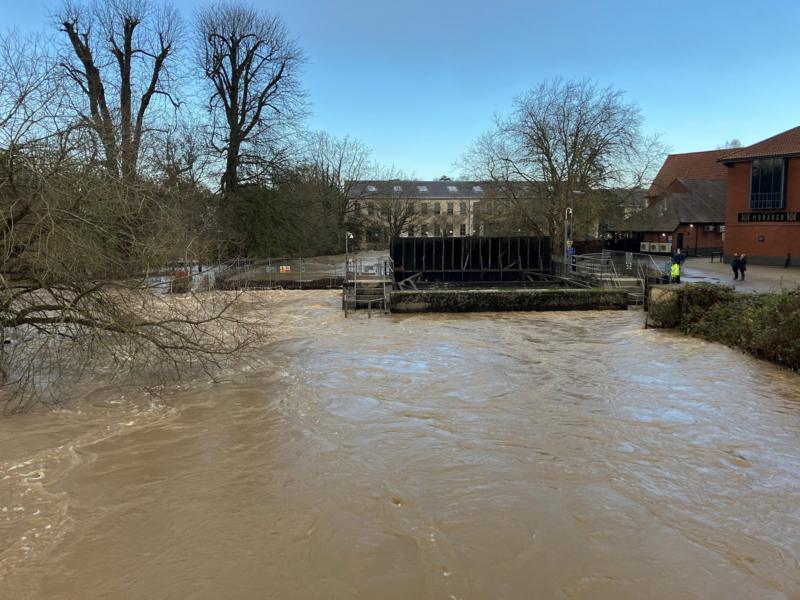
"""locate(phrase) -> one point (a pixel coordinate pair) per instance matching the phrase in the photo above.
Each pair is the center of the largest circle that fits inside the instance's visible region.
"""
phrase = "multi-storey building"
(395, 208)
(391, 208)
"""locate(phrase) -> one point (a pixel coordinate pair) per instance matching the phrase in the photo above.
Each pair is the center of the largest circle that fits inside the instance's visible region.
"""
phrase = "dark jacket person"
(742, 265)
(735, 265)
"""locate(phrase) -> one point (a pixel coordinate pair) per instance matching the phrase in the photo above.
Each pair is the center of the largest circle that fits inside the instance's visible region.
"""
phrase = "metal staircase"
(367, 284)
(621, 270)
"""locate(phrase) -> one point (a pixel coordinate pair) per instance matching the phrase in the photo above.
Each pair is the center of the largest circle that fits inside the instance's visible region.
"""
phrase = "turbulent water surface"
(550, 455)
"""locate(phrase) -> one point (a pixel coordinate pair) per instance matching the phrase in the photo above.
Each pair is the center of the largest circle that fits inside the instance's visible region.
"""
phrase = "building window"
(449, 208)
(766, 184)
(410, 231)
(436, 208)
(463, 231)
(423, 208)
(462, 208)
(423, 230)
(437, 231)
(371, 209)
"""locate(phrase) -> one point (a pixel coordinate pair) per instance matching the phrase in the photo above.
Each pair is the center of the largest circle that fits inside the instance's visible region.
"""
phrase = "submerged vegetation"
(764, 325)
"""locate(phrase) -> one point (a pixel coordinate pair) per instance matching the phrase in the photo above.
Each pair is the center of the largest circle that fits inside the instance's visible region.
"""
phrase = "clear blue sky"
(418, 80)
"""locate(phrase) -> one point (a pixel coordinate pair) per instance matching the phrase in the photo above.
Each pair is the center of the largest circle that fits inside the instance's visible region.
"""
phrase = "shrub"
(764, 325)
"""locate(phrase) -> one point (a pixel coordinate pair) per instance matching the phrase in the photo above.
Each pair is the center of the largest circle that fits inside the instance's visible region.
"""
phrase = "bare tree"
(394, 211)
(118, 57)
(82, 256)
(563, 138)
(338, 164)
(398, 214)
(731, 143)
(253, 66)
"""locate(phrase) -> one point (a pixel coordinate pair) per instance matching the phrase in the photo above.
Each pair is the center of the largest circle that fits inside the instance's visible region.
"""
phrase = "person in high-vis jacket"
(675, 273)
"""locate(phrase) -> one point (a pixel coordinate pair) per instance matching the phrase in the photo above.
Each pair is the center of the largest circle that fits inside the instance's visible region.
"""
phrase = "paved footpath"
(759, 278)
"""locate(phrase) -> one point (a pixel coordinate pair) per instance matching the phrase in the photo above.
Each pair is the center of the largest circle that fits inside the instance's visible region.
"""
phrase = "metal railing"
(359, 274)
(633, 271)
(596, 267)
(286, 272)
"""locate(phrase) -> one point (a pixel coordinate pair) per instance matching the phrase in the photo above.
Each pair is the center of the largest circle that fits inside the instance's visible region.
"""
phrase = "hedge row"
(764, 325)
(515, 299)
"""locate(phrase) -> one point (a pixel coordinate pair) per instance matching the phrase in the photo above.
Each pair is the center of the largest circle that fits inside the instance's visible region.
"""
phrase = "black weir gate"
(470, 259)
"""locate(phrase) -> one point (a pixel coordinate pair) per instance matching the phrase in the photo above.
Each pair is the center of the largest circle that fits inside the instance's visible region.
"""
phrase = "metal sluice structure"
(491, 260)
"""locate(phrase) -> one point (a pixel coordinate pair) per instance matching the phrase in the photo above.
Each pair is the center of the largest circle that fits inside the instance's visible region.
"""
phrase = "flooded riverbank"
(563, 455)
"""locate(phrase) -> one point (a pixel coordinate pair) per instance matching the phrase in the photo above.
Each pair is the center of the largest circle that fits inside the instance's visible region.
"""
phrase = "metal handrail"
(355, 265)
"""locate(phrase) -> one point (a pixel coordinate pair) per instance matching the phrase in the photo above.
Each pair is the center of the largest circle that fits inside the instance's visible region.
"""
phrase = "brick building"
(762, 215)
(685, 208)
(689, 215)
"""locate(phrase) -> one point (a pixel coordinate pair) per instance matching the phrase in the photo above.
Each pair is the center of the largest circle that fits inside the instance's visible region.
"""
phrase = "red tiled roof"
(783, 144)
(689, 165)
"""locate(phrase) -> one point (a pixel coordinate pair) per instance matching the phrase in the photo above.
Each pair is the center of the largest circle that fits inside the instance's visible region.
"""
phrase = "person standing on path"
(675, 273)
(742, 265)
(678, 257)
(735, 266)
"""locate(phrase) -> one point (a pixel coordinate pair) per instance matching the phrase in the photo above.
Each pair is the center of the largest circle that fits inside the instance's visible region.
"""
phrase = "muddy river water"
(550, 455)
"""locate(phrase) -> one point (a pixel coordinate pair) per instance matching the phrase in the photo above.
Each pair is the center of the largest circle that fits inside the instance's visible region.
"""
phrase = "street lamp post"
(568, 216)
(347, 236)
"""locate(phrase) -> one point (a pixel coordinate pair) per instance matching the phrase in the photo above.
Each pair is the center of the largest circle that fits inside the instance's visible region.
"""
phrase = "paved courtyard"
(759, 278)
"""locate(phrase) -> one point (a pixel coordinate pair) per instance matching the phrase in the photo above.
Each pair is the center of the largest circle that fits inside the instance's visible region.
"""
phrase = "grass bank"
(764, 325)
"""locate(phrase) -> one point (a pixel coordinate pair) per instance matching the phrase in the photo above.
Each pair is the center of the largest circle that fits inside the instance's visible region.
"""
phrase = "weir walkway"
(632, 272)
(368, 282)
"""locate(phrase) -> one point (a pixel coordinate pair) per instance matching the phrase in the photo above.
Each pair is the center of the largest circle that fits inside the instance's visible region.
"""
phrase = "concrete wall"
(764, 243)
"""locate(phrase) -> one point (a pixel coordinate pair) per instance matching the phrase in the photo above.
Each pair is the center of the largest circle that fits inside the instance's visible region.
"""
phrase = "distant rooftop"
(419, 189)
(689, 165)
(703, 202)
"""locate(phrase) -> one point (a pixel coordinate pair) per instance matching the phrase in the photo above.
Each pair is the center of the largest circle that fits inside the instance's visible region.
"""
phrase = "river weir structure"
(457, 274)
(449, 274)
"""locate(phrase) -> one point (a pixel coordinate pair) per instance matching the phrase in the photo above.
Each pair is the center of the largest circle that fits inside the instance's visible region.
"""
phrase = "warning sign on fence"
(286, 269)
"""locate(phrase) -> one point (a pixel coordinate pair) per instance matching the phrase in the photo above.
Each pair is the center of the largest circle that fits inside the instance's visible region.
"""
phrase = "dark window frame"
(771, 200)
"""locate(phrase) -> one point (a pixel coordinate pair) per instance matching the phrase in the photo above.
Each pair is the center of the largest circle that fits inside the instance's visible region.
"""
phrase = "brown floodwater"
(549, 455)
